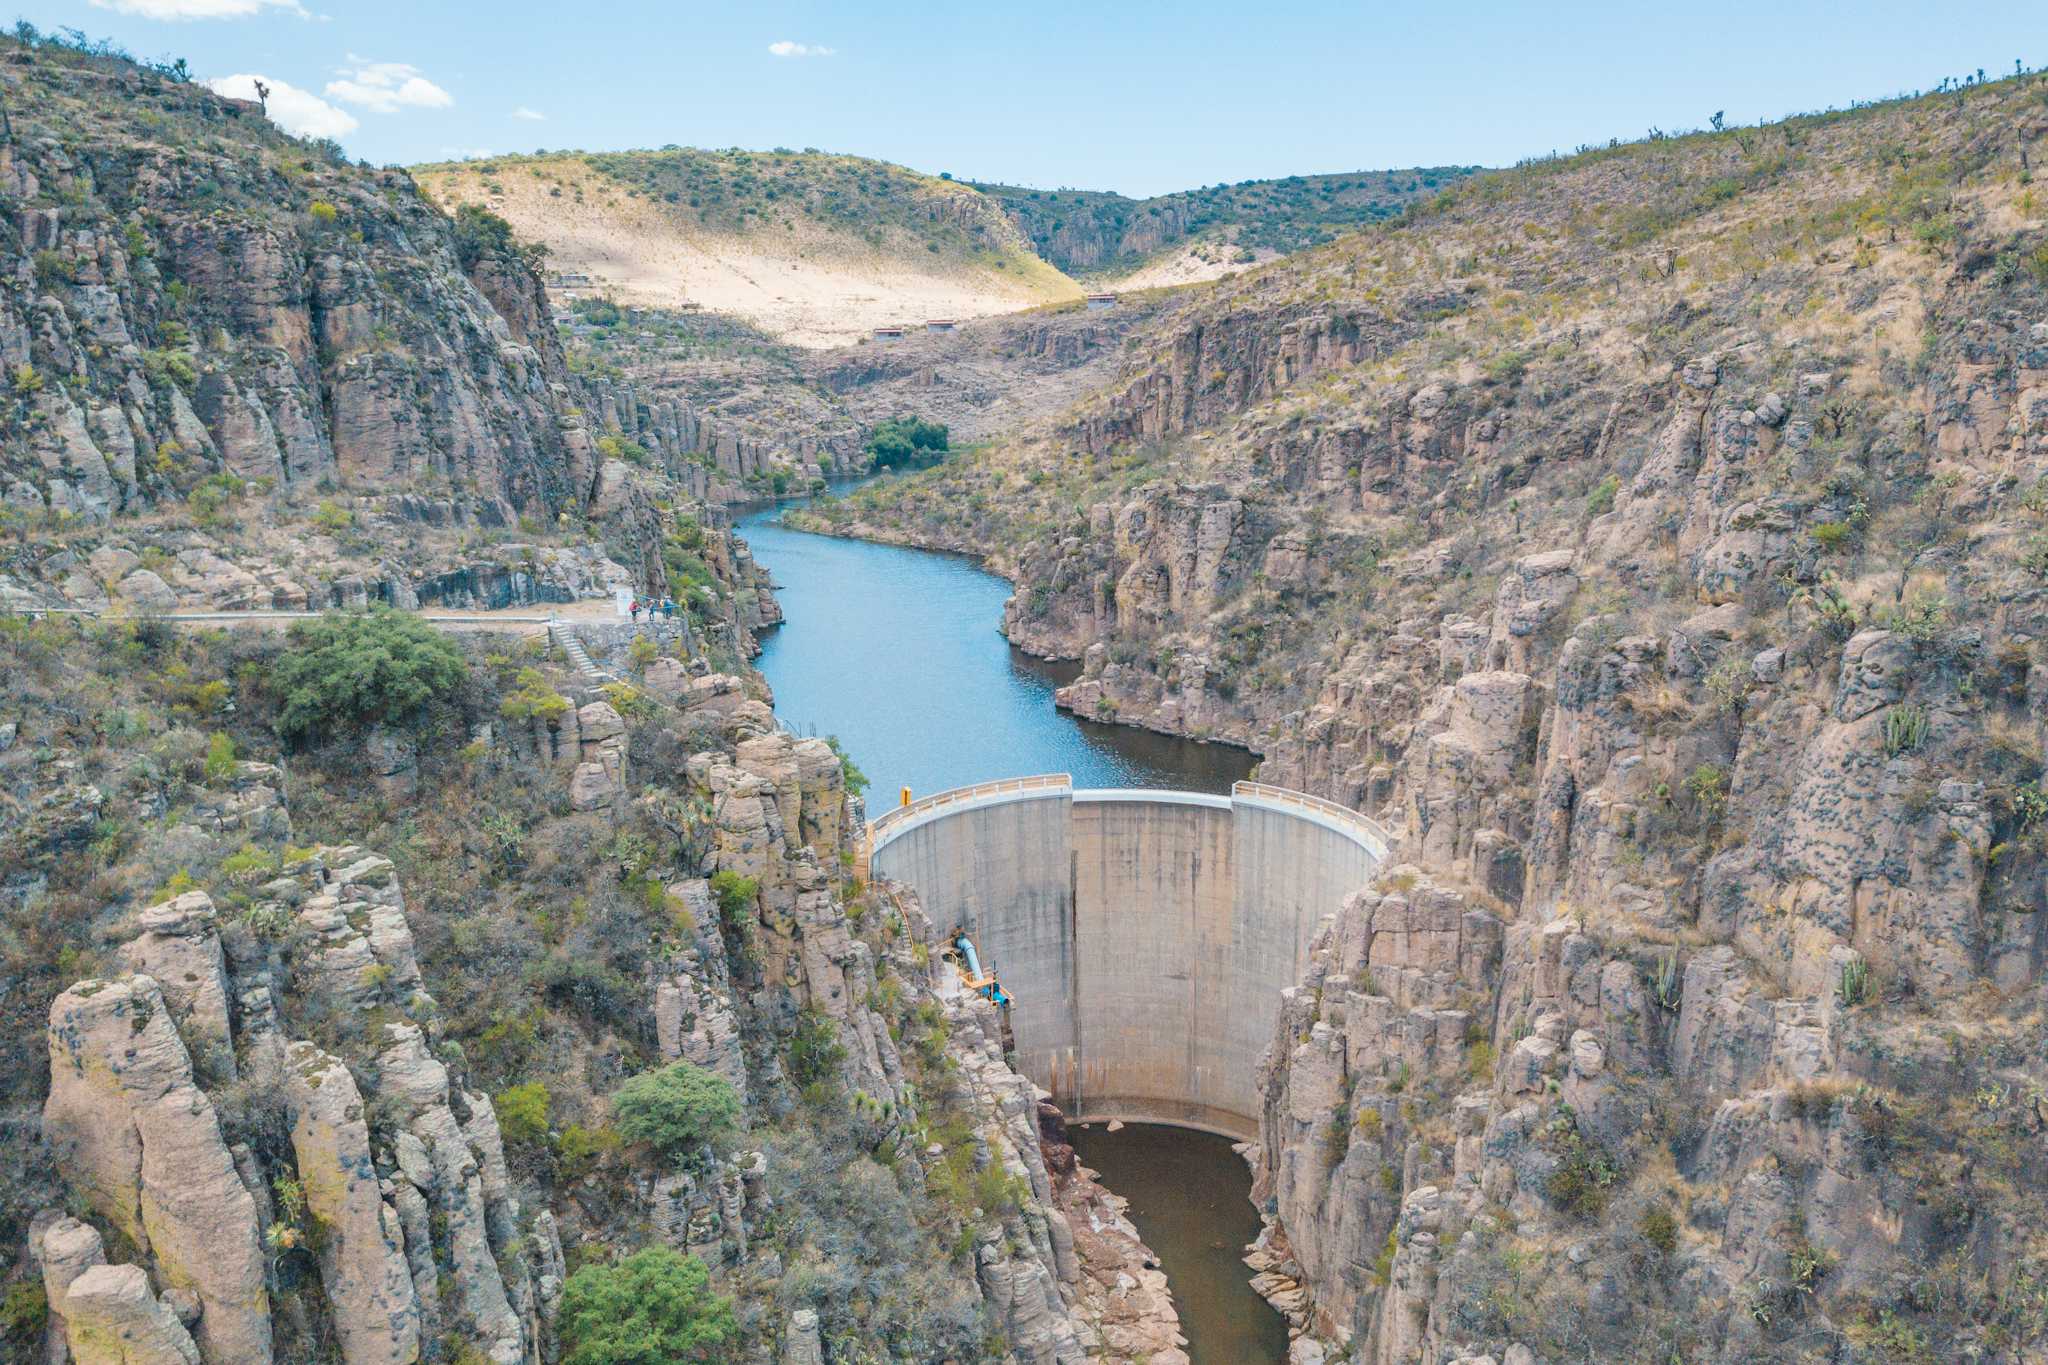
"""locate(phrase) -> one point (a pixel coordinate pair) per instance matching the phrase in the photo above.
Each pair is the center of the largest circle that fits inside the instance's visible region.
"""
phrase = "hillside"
(1654, 539)
(1205, 233)
(379, 986)
(815, 249)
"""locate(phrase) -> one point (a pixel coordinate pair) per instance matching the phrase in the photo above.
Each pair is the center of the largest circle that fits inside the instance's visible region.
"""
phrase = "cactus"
(1905, 729)
(1666, 983)
(1855, 985)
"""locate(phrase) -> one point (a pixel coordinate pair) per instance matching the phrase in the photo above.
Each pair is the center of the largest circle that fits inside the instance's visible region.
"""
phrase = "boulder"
(113, 1319)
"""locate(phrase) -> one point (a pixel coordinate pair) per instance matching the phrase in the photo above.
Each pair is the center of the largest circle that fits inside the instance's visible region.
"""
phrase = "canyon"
(1626, 571)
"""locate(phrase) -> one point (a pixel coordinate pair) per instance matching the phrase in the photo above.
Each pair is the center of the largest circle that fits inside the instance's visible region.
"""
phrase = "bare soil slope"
(816, 250)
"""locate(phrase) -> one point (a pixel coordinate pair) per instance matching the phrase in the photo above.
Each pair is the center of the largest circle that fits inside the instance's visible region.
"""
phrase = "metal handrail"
(1260, 791)
(956, 795)
(1287, 796)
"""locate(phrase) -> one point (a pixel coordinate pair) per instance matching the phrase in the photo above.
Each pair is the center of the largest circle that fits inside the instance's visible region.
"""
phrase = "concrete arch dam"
(1145, 936)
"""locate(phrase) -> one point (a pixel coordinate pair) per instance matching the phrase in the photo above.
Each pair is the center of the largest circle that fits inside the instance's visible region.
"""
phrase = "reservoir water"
(897, 653)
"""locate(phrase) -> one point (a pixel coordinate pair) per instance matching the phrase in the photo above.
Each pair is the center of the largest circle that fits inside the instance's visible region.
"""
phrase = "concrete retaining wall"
(1146, 935)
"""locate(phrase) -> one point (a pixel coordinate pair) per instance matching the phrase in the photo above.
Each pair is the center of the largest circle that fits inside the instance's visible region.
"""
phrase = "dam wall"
(1145, 936)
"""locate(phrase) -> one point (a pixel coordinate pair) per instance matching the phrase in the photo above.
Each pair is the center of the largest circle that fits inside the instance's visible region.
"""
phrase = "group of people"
(665, 609)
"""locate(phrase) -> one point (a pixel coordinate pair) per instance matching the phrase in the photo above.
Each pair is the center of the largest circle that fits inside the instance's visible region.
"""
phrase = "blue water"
(898, 653)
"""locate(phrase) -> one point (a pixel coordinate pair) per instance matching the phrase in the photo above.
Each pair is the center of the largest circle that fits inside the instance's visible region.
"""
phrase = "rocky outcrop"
(113, 1319)
(141, 1142)
(362, 1242)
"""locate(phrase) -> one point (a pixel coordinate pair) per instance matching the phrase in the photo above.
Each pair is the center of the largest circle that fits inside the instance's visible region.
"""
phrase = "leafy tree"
(652, 1308)
(907, 441)
(349, 670)
(479, 232)
(675, 1109)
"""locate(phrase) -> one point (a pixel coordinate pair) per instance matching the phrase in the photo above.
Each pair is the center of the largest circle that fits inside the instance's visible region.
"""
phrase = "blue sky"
(1129, 95)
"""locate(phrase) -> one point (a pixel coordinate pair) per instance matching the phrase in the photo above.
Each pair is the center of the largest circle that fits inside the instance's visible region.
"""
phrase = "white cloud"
(530, 115)
(292, 109)
(198, 9)
(387, 87)
(785, 48)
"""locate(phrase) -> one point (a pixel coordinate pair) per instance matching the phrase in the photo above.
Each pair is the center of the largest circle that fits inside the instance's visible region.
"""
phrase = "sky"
(1127, 95)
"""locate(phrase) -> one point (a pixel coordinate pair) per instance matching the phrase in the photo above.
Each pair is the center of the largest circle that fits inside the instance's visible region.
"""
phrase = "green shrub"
(736, 896)
(23, 1311)
(815, 1053)
(533, 698)
(211, 497)
(343, 671)
(1831, 536)
(1584, 1172)
(1600, 501)
(856, 780)
(1708, 785)
(652, 1308)
(579, 1150)
(168, 365)
(1659, 1228)
(523, 1113)
(479, 232)
(676, 1109)
(220, 759)
(54, 268)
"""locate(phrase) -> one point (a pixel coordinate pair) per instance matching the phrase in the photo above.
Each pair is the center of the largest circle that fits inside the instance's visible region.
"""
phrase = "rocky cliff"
(1651, 537)
(417, 1031)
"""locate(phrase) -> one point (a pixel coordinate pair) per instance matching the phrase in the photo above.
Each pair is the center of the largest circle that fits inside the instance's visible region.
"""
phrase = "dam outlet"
(1144, 937)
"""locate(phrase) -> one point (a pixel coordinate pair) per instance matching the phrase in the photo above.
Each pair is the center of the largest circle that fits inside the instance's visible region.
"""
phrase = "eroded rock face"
(179, 948)
(133, 1133)
(114, 1319)
(362, 1248)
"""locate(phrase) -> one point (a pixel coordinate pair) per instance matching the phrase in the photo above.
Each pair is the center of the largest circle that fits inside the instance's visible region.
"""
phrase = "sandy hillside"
(804, 282)
(1190, 263)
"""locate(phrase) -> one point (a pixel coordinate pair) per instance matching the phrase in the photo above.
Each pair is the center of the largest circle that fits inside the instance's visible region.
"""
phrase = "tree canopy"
(652, 1308)
(676, 1108)
(347, 670)
(907, 441)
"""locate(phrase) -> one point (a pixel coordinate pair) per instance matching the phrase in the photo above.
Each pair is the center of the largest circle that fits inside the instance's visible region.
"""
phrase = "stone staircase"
(579, 657)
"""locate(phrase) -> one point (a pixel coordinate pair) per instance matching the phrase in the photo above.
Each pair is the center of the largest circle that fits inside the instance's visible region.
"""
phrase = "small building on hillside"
(1102, 300)
(939, 324)
(888, 334)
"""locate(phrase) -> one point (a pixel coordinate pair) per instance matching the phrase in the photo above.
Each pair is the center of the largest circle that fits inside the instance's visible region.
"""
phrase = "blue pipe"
(966, 945)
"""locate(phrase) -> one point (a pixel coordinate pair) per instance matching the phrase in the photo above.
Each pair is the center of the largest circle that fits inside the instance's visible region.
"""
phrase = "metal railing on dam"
(1145, 935)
